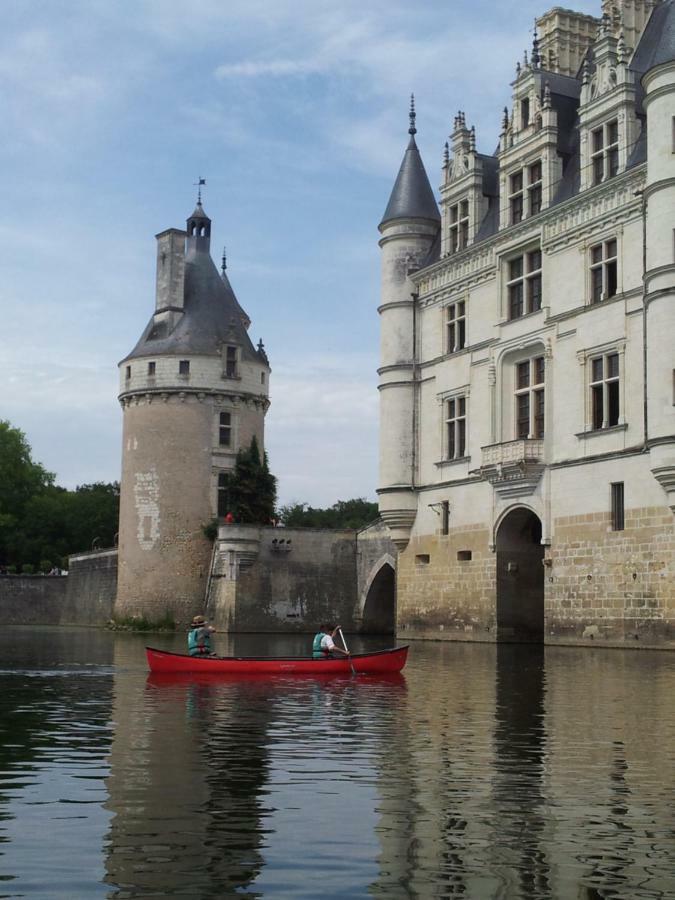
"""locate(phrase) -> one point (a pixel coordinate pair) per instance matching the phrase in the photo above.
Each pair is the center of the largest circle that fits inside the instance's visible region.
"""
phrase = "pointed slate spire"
(657, 44)
(411, 197)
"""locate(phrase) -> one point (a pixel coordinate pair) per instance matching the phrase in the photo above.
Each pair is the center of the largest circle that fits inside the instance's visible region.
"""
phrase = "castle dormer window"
(151, 369)
(534, 188)
(605, 151)
(516, 197)
(525, 112)
(459, 226)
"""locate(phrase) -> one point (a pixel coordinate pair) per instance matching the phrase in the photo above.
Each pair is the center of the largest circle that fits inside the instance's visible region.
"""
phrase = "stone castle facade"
(193, 391)
(527, 374)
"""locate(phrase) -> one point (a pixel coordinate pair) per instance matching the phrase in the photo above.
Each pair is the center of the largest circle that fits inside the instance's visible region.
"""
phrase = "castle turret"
(193, 391)
(409, 228)
(656, 58)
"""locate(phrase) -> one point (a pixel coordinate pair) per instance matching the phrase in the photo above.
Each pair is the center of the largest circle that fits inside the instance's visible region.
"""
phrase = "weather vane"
(198, 184)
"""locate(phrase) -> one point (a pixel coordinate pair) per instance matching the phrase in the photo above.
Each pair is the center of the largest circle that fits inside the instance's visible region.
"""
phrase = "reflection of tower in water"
(520, 738)
(188, 764)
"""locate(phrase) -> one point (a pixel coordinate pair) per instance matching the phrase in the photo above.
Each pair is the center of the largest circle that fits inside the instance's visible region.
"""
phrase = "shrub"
(11, 570)
(45, 566)
(27, 569)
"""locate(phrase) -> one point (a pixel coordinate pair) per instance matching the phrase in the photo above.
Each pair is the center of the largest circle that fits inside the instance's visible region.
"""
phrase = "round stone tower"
(194, 390)
(409, 227)
(657, 48)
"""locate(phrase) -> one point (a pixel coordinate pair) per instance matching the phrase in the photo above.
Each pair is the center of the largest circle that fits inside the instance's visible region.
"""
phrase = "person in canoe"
(199, 637)
(324, 646)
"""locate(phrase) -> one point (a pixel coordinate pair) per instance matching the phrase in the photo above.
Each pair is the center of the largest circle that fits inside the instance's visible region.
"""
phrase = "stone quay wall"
(32, 599)
(84, 596)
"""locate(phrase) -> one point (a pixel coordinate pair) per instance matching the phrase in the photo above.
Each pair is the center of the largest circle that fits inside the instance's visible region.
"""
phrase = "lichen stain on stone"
(146, 497)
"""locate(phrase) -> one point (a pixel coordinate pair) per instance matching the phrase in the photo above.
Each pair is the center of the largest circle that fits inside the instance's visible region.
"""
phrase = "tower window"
(231, 362)
(456, 327)
(603, 271)
(184, 367)
(151, 368)
(127, 373)
(223, 495)
(524, 284)
(605, 391)
(605, 151)
(525, 112)
(530, 398)
(225, 429)
(618, 518)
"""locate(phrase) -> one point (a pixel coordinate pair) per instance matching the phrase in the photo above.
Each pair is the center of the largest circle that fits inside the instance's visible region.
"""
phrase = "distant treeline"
(343, 514)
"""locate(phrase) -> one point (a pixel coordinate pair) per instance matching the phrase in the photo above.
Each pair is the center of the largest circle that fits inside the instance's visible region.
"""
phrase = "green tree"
(21, 479)
(354, 514)
(251, 487)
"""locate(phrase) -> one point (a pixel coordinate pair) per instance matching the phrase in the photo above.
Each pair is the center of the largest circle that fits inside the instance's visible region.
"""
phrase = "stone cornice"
(150, 395)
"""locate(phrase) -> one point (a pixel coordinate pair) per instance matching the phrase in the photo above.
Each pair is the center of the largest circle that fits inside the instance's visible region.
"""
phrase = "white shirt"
(327, 642)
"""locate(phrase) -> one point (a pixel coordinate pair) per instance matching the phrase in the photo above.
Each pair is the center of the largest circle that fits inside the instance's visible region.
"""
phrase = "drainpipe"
(415, 378)
(645, 413)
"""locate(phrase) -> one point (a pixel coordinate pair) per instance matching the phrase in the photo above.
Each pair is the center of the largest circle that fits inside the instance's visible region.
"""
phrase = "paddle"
(344, 644)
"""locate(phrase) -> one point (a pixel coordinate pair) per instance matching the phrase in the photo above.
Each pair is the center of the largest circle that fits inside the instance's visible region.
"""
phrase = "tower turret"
(194, 390)
(409, 228)
(655, 56)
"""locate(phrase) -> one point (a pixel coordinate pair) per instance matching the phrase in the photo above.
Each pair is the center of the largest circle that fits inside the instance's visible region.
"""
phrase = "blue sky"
(295, 111)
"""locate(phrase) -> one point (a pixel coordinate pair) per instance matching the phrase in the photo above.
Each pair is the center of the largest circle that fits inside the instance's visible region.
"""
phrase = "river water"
(483, 772)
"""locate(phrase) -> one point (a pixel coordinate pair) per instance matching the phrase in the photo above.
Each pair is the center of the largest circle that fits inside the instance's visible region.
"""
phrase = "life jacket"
(317, 650)
(199, 641)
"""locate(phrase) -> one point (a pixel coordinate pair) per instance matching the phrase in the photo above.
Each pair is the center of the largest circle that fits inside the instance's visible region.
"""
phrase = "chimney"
(169, 296)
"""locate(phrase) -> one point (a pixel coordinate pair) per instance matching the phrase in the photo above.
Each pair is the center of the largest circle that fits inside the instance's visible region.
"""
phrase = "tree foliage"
(251, 487)
(354, 514)
(41, 522)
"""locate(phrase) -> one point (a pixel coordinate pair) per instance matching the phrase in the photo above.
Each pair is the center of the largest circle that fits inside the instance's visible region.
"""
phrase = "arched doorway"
(520, 578)
(379, 610)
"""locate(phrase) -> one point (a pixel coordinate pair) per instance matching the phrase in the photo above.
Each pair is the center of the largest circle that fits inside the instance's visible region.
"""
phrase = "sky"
(296, 114)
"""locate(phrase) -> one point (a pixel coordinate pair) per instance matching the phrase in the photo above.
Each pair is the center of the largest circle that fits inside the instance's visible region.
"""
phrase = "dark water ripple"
(484, 773)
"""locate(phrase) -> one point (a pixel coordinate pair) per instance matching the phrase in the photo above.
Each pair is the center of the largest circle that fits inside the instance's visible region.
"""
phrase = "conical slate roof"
(657, 44)
(412, 197)
(212, 316)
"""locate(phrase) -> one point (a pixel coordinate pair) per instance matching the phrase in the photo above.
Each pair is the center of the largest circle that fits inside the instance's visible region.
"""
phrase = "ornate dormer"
(529, 162)
(463, 193)
(628, 18)
(608, 125)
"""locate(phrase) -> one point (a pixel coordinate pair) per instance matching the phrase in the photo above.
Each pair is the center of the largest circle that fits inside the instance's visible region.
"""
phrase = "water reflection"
(483, 772)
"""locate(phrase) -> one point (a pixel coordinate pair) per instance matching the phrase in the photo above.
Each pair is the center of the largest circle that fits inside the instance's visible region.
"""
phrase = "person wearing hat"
(199, 637)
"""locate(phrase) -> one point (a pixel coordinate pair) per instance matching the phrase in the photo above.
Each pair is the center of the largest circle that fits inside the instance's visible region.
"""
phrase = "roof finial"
(198, 184)
(547, 96)
(446, 155)
(621, 50)
(472, 139)
(412, 114)
(223, 267)
(505, 121)
(536, 58)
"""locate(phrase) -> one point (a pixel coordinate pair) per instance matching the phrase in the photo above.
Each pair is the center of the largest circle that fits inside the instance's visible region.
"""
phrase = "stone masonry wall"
(449, 597)
(92, 585)
(612, 586)
(32, 599)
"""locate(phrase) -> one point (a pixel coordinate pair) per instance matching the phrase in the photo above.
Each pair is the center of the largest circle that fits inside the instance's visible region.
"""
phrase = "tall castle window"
(455, 424)
(605, 391)
(184, 367)
(225, 429)
(603, 271)
(525, 192)
(605, 151)
(223, 495)
(524, 284)
(456, 326)
(152, 367)
(530, 398)
(459, 226)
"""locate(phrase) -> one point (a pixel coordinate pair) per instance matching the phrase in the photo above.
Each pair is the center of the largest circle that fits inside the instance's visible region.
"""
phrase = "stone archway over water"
(379, 609)
(520, 578)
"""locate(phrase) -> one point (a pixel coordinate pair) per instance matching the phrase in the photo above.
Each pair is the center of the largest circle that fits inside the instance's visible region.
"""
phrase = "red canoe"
(381, 662)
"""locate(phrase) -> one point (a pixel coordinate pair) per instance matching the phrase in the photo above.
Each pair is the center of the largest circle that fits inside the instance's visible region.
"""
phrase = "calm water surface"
(483, 772)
